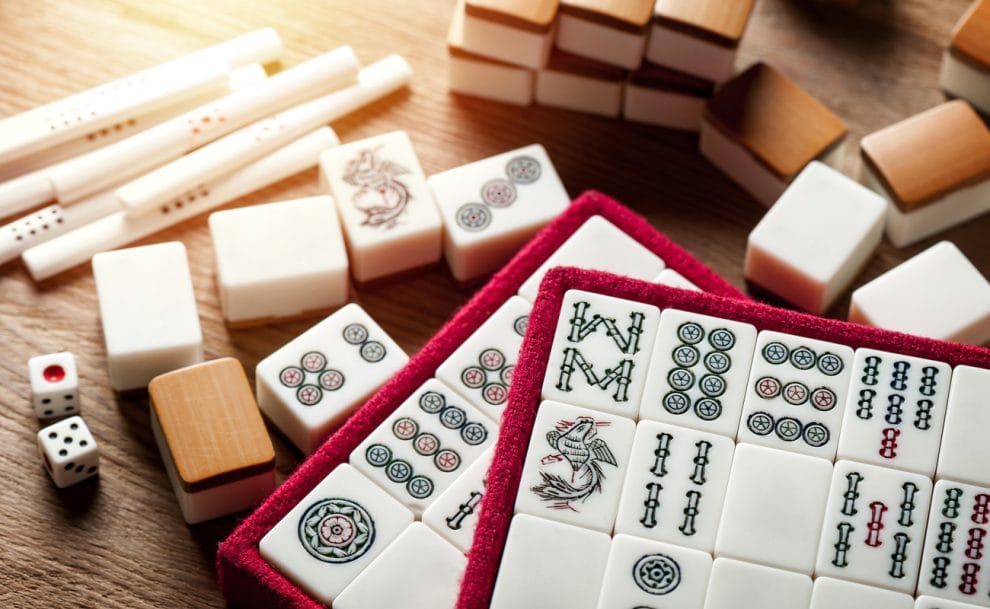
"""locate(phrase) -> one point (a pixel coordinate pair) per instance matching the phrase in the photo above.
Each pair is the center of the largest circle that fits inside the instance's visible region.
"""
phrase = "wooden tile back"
(629, 15)
(718, 21)
(971, 38)
(533, 15)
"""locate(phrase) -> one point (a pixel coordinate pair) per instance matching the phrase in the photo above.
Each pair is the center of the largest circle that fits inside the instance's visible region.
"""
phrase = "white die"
(69, 451)
(312, 384)
(54, 384)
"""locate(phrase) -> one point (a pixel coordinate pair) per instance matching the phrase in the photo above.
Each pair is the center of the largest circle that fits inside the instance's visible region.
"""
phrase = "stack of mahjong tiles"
(653, 61)
(394, 494)
(692, 451)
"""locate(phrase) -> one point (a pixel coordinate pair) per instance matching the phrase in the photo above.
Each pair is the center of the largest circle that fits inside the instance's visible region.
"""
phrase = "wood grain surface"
(121, 542)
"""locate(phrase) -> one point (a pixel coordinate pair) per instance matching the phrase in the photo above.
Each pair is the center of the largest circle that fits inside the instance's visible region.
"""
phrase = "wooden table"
(121, 542)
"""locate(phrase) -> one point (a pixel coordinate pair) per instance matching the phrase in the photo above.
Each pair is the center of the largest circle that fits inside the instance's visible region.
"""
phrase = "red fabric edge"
(524, 395)
(246, 579)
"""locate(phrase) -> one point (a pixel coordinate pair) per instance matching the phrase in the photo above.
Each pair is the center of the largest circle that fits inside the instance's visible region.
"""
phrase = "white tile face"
(549, 564)
(69, 451)
(148, 310)
(425, 445)
(601, 246)
(390, 221)
(931, 602)
(773, 508)
(816, 237)
(938, 294)
(964, 451)
(454, 514)
(874, 526)
(312, 384)
(601, 352)
(575, 466)
(54, 384)
(481, 368)
(894, 411)
(741, 585)
(419, 570)
(698, 372)
(334, 533)
(831, 593)
(644, 573)
(796, 395)
(675, 485)
(956, 558)
(676, 280)
(301, 268)
(492, 206)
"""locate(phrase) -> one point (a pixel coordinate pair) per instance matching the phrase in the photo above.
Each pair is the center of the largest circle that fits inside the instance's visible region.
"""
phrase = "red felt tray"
(246, 579)
(524, 395)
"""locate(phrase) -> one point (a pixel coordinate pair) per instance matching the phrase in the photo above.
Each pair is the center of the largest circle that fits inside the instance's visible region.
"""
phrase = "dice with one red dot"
(69, 451)
(54, 385)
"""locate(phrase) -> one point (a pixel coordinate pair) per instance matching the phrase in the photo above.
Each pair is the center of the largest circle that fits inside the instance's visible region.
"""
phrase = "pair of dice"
(67, 447)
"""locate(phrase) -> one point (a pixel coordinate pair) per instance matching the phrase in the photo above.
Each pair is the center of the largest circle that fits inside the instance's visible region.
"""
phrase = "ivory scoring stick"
(156, 189)
(139, 93)
(54, 220)
(76, 178)
(116, 230)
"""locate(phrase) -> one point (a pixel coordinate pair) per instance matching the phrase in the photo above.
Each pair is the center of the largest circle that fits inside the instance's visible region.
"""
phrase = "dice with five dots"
(54, 385)
(69, 451)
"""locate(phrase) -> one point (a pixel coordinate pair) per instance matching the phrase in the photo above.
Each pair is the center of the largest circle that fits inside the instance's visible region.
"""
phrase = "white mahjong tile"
(310, 386)
(874, 526)
(646, 573)
(334, 533)
(491, 207)
(425, 445)
(675, 280)
(956, 560)
(601, 352)
(773, 508)
(698, 372)
(831, 593)
(390, 221)
(932, 602)
(965, 451)
(741, 585)
(675, 485)
(481, 368)
(550, 565)
(454, 514)
(601, 246)
(419, 570)
(894, 411)
(796, 394)
(575, 466)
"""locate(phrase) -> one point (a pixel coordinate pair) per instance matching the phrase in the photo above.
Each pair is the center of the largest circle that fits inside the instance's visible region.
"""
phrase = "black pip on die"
(894, 411)
(601, 352)
(698, 372)
(956, 563)
(874, 526)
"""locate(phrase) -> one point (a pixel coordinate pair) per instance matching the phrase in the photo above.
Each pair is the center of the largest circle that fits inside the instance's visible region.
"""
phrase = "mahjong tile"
(426, 444)
(602, 246)
(675, 485)
(575, 466)
(491, 207)
(645, 573)
(550, 565)
(334, 533)
(773, 508)
(676, 280)
(454, 514)
(481, 368)
(741, 585)
(698, 372)
(829, 593)
(312, 384)
(874, 526)
(956, 561)
(601, 351)
(796, 394)
(965, 451)
(894, 411)
(932, 602)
